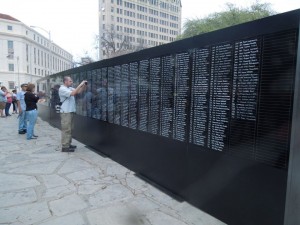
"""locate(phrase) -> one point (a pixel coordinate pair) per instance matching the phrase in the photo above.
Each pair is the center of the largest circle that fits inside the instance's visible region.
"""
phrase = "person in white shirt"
(68, 108)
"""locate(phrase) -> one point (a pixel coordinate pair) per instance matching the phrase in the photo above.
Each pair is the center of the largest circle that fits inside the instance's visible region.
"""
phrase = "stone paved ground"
(41, 185)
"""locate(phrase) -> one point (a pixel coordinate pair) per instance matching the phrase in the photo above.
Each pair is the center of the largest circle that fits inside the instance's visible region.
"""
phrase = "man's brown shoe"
(73, 146)
(67, 150)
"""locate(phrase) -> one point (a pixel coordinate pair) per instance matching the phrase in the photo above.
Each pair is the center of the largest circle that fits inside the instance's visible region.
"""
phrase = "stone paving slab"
(39, 185)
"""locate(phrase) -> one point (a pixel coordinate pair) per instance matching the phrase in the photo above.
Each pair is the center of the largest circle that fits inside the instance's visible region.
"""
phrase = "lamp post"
(18, 73)
(50, 45)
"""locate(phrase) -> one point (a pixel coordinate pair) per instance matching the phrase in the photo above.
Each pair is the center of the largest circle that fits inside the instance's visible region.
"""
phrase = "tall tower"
(131, 25)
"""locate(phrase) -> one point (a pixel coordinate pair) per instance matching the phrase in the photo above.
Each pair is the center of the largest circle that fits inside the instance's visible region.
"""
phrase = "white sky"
(74, 23)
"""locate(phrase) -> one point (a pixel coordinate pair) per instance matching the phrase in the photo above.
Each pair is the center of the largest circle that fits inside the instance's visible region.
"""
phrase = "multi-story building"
(132, 25)
(26, 55)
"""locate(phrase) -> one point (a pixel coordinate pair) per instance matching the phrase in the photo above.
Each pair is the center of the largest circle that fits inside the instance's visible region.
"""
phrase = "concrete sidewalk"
(41, 185)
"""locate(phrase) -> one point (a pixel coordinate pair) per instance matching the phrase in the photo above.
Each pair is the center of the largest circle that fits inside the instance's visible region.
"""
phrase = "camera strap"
(64, 100)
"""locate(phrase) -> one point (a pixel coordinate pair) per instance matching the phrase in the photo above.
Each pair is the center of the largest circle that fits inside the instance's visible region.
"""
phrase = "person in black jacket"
(31, 110)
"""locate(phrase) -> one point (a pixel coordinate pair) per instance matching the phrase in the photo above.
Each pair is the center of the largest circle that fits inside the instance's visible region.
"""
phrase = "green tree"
(232, 15)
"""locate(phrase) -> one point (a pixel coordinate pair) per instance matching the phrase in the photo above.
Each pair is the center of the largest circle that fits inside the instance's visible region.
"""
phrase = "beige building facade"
(131, 25)
(26, 55)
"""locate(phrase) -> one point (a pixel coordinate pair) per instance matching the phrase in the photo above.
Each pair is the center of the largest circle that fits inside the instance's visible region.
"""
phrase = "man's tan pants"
(66, 129)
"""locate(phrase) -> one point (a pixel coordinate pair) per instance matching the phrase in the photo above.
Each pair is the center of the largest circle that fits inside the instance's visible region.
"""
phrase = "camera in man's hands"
(85, 83)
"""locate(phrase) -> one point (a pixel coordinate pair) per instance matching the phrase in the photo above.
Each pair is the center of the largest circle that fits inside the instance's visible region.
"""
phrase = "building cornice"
(8, 17)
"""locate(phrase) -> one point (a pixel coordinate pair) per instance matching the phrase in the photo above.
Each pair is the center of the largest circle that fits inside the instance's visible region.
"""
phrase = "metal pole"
(18, 73)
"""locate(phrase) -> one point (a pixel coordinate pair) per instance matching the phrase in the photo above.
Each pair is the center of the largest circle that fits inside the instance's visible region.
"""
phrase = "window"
(10, 44)
(27, 52)
(34, 54)
(11, 67)
(45, 59)
(42, 58)
(10, 49)
(11, 84)
(9, 27)
(38, 57)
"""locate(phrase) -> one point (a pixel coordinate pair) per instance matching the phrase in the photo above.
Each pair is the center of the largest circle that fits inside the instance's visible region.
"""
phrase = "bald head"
(68, 81)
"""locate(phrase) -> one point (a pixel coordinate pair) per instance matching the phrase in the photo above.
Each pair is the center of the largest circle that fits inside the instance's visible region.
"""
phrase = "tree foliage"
(232, 15)
(113, 43)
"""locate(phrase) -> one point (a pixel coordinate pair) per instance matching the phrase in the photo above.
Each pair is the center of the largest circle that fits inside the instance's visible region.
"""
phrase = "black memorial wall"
(208, 118)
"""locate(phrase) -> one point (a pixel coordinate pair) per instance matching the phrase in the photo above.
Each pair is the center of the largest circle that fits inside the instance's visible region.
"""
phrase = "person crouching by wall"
(22, 109)
(31, 110)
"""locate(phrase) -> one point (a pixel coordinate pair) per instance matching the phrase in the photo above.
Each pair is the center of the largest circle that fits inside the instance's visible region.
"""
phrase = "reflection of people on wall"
(110, 106)
(80, 104)
(54, 96)
(95, 102)
(87, 102)
(102, 92)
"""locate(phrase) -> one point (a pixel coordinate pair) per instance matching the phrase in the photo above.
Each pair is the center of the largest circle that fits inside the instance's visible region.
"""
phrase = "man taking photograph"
(68, 108)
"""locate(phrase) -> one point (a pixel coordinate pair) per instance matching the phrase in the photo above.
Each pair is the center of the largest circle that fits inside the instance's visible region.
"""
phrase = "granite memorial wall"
(220, 102)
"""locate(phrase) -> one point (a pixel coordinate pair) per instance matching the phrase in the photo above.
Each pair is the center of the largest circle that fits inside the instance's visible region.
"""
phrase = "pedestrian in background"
(31, 110)
(22, 109)
(2, 101)
(68, 108)
(14, 101)
(8, 102)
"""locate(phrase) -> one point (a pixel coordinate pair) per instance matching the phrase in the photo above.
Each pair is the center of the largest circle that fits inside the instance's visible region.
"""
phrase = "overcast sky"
(74, 23)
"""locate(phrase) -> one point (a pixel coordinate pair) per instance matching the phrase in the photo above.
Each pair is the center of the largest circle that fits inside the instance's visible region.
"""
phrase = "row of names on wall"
(189, 96)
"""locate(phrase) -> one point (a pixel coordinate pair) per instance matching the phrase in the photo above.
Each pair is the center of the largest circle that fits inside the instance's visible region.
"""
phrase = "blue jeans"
(7, 106)
(22, 121)
(31, 116)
